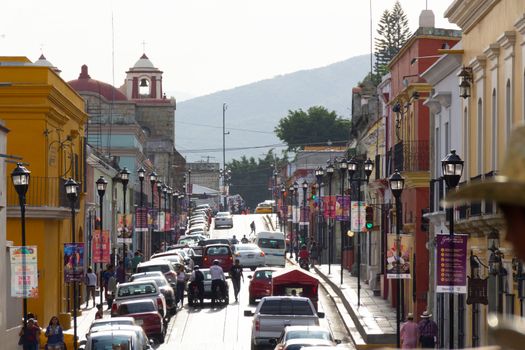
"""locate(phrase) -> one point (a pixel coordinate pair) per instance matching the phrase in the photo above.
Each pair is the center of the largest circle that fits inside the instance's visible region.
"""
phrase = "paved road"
(226, 327)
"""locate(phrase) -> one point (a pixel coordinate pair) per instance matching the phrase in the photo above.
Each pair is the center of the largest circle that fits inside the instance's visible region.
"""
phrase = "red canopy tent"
(303, 282)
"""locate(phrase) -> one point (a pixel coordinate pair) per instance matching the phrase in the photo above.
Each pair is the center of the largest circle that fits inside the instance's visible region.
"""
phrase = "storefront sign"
(73, 262)
(358, 216)
(398, 256)
(24, 272)
(451, 263)
(329, 203)
(141, 219)
(101, 246)
(342, 206)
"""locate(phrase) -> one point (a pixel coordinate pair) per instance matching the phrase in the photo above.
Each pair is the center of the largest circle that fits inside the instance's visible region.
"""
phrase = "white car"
(223, 219)
(249, 255)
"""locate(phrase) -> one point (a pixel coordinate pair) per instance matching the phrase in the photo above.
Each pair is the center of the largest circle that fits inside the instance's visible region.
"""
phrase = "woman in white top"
(181, 285)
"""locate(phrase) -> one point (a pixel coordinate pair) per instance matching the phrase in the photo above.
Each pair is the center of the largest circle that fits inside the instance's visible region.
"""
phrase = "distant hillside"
(255, 109)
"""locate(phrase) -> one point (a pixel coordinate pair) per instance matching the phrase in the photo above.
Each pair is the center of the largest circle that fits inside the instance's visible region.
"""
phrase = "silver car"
(249, 255)
(223, 219)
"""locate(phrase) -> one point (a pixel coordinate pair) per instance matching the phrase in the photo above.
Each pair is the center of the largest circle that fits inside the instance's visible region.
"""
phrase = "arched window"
(508, 110)
(480, 136)
(144, 87)
(494, 130)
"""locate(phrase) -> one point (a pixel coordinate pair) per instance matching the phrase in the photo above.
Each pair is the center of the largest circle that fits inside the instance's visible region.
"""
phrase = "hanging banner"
(305, 216)
(329, 203)
(167, 223)
(24, 272)
(451, 263)
(124, 231)
(358, 216)
(73, 262)
(141, 219)
(101, 246)
(152, 219)
(342, 206)
(161, 221)
(398, 265)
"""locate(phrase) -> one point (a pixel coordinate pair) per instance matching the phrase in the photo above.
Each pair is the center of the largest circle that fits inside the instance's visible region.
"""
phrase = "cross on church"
(143, 46)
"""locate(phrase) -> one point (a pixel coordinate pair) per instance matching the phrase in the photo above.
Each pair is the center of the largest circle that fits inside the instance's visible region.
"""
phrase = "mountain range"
(254, 110)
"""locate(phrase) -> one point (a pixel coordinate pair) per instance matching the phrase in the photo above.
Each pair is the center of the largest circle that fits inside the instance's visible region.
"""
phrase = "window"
(270, 307)
(508, 110)
(301, 307)
(494, 130)
(271, 243)
(480, 136)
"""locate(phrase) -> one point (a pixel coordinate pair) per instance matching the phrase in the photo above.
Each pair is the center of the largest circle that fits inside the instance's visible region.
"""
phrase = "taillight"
(230, 257)
(159, 303)
(114, 309)
(257, 325)
(262, 254)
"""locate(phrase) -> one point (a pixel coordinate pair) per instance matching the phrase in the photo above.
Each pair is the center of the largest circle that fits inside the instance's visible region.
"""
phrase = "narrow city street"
(226, 327)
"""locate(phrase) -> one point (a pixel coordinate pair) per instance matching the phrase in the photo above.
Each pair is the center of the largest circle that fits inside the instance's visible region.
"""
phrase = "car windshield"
(263, 274)
(136, 289)
(111, 342)
(271, 243)
(303, 333)
(149, 268)
(136, 308)
(218, 251)
(161, 282)
(188, 240)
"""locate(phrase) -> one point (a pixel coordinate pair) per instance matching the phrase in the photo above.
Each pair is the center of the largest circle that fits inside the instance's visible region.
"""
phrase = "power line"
(220, 127)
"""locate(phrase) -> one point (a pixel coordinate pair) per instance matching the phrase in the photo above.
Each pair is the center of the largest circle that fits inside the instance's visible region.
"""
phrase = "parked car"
(223, 219)
(191, 240)
(164, 266)
(306, 344)
(112, 322)
(260, 284)
(139, 290)
(193, 293)
(209, 241)
(147, 344)
(249, 255)
(275, 312)
(305, 332)
(114, 339)
(172, 256)
(221, 252)
(146, 315)
(165, 288)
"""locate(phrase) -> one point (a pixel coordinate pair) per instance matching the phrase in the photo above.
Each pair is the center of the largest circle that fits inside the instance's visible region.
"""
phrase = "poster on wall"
(24, 272)
(451, 263)
(398, 265)
(101, 246)
(124, 231)
(152, 219)
(141, 219)
(73, 262)
(329, 207)
(342, 206)
(358, 216)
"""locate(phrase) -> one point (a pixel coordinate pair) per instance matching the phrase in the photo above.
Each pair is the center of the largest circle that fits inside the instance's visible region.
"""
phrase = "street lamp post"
(152, 181)
(283, 219)
(343, 167)
(20, 177)
(168, 201)
(159, 192)
(319, 173)
(176, 211)
(101, 189)
(124, 178)
(297, 218)
(274, 187)
(291, 191)
(72, 194)
(305, 227)
(397, 183)
(142, 173)
(329, 173)
(452, 166)
(368, 166)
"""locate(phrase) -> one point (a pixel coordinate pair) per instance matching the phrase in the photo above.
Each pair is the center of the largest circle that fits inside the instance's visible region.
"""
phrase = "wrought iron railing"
(409, 156)
(42, 192)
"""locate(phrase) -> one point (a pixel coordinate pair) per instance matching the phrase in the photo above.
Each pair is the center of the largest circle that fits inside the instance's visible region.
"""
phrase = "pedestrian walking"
(180, 286)
(91, 285)
(217, 281)
(54, 335)
(29, 335)
(409, 333)
(236, 275)
(135, 261)
(111, 289)
(314, 253)
(121, 272)
(252, 227)
(428, 331)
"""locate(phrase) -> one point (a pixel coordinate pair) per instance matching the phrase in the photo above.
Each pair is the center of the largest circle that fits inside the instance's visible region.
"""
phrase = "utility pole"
(224, 108)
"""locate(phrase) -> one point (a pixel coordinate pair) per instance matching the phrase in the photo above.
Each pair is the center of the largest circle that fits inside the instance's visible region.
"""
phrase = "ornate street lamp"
(343, 168)
(319, 174)
(397, 183)
(20, 177)
(305, 227)
(124, 179)
(466, 78)
(169, 191)
(283, 210)
(159, 193)
(72, 194)
(101, 189)
(330, 173)
(291, 192)
(142, 173)
(153, 181)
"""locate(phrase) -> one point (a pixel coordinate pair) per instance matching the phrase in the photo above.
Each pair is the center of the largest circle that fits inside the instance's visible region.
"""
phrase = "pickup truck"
(276, 312)
(140, 290)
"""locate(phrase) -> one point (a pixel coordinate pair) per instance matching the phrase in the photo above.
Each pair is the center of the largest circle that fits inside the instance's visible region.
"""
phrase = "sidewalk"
(85, 319)
(374, 319)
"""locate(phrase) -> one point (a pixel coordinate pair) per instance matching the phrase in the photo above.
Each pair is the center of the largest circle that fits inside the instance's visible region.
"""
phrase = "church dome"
(43, 62)
(84, 83)
(144, 62)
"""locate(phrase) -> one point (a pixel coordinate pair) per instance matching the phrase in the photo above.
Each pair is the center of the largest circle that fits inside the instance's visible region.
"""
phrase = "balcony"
(409, 156)
(45, 197)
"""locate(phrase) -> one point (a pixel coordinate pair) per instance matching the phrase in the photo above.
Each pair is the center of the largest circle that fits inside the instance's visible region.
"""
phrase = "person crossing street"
(236, 275)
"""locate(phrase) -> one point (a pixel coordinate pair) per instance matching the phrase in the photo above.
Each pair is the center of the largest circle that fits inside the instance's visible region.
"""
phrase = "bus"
(273, 245)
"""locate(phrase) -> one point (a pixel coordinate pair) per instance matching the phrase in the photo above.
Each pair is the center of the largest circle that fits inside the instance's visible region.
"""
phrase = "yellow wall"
(38, 100)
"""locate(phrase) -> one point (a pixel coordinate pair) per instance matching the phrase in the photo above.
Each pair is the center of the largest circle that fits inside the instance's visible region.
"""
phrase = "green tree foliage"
(252, 179)
(393, 32)
(315, 126)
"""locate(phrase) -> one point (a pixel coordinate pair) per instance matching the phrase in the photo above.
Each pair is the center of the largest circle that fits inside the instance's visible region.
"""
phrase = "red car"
(145, 315)
(221, 252)
(260, 284)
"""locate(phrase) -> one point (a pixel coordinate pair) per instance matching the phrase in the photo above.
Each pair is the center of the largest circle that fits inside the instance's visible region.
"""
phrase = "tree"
(315, 126)
(393, 33)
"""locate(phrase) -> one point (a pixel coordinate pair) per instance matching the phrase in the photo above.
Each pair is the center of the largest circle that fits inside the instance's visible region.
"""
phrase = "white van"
(273, 246)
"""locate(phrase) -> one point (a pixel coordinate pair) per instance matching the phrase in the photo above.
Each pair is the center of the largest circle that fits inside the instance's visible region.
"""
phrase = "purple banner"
(141, 219)
(451, 263)
(342, 208)
(73, 262)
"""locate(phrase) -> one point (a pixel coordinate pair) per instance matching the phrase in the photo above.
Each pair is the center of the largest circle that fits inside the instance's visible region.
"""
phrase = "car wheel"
(160, 338)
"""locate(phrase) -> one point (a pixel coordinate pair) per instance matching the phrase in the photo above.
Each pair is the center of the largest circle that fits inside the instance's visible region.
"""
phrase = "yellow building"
(494, 49)
(46, 120)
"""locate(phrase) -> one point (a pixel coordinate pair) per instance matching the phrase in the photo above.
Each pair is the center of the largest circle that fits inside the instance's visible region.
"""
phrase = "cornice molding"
(478, 64)
(520, 26)
(507, 41)
(433, 105)
(444, 98)
(467, 13)
(50, 213)
(492, 54)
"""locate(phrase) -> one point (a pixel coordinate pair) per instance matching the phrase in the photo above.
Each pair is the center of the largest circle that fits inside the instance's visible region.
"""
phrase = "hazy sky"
(201, 45)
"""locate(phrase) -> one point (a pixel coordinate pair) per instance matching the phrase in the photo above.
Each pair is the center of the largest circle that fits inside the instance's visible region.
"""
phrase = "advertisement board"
(24, 272)
(398, 256)
(73, 262)
(451, 263)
